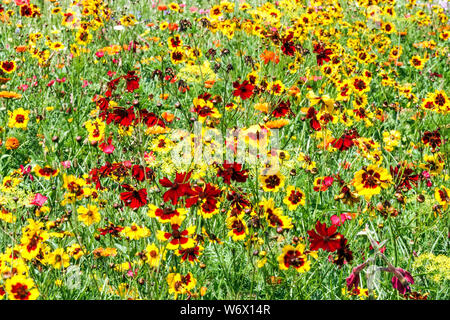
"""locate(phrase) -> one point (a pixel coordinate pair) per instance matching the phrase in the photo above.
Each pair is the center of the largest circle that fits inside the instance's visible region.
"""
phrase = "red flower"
(283, 109)
(322, 54)
(401, 280)
(244, 90)
(121, 116)
(133, 198)
(314, 123)
(132, 81)
(207, 195)
(232, 171)
(345, 142)
(140, 173)
(324, 238)
(288, 46)
(178, 188)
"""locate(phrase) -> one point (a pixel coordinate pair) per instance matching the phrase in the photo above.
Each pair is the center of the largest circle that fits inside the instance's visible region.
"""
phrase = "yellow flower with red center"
(294, 198)
(238, 228)
(370, 180)
(442, 195)
(18, 118)
(8, 66)
(360, 84)
(391, 139)
(46, 172)
(75, 251)
(272, 182)
(190, 254)
(175, 42)
(179, 284)
(274, 216)
(96, 129)
(21, 288)
(83, 38)
(88, 215)
(128, 20)
(176, 236)
(294, 257)
(276, 88)
(417, 62)
(434, 164)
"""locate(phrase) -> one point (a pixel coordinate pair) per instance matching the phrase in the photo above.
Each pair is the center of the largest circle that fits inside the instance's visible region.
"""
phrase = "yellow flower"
(18, 118)
(272, 183)
(294, 198)
(153, 255)
(370, 180)
(88, 215)
(58, 259)
(21, 288)
(294, 257)
(136, 232)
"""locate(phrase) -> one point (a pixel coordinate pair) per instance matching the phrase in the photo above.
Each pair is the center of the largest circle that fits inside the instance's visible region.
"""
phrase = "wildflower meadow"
(224, 150)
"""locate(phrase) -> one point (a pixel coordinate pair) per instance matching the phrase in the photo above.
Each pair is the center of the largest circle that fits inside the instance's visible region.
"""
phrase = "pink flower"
(85, 83)
(339, 221)
(100, 54)
(21, 2)
(51, 83)
(66, 164)
(39, 200)
(193, 9)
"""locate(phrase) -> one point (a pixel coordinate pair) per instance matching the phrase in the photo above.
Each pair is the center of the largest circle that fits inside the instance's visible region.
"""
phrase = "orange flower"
(12, 143)
(209, 83)
(10, 95)
(277, 124)
(168, 116)
(21, 48)
(270, 56)
(162, 8)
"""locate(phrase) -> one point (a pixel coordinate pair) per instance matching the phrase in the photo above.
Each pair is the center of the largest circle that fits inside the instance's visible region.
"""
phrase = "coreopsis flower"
(288, 46)
(323, 183)
(205, 108)
(274, 216)
(8, 66)
(232, 172)
(166, 213)
(324, 238)
(391, 139)
(442, 196)
(18, 118)
(276, 88)
(370, 180)
(177, 238)
(343, 253)
(294, 197)
(294, 257)
(190, 254)
(206, 196)
(46, 172)
(88, 215)
(417, 62)
(58, 259)
(133, 198)
(179, 284)
(347, 196)
(153, 255)
(180, 187)
(346, 141)
(75, 251)
(360, 84)
(434, 164)
(404, 176)
(238, 228)
(177, 56)
(323, 54)
(432, 139)
(243, 90)
(135, 232)
(272, 182)
(96, 129)
(21, 288)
